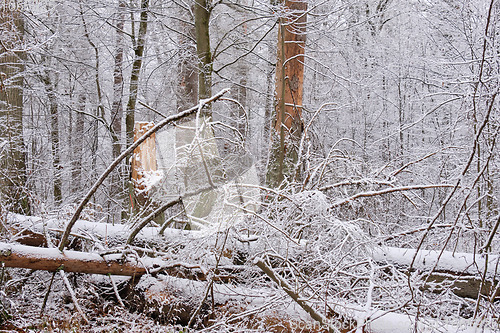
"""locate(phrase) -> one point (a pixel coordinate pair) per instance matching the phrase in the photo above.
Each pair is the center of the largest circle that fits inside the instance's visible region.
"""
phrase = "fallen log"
(460, 272)
(22, 256)
(122, 262)
(30, 231)
(172, 300)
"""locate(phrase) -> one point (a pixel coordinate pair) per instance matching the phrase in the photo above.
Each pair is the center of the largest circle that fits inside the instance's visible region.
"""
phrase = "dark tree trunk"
(13, 176)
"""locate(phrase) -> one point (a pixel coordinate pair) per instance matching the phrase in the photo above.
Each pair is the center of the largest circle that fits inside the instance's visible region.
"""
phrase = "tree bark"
(21, 256)
(187, 93)
(288, 122)
(50, 87)
(139, 47)
(13, 177)
(77, 143)
(118, 187)
(202, 12)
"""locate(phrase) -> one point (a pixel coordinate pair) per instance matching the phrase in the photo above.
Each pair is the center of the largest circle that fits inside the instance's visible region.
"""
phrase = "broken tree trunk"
(288, 123)
(144, 172)
(144, 159)
(130, 149)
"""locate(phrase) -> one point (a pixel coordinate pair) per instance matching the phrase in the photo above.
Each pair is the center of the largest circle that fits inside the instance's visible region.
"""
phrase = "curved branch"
(128, 151)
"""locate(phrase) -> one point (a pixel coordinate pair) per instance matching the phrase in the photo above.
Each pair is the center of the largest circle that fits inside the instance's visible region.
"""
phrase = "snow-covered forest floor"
(23, 294)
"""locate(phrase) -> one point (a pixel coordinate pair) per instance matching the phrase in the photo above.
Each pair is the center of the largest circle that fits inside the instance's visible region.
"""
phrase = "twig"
(160, 210)
(386, 191)
(150, 217)
(169, 222)
(195, 313)
(73, 296)
(42, 310)
(487, 245)
(296, 297)
(116, 291)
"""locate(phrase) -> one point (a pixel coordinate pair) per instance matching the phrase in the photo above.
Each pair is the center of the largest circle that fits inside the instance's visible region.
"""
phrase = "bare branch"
(128, 151)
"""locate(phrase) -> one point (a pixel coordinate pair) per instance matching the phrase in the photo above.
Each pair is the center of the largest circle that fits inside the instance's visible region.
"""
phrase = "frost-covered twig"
(150, 217)
(296, 297)
(386, 191)
(415, 230)
(356, 182)
(73, 296)
(115, 289)
(361, 322)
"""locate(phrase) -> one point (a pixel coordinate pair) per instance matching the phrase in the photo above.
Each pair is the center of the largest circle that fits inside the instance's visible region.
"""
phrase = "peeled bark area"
(21, 256)
(290, 67)
(288, 123)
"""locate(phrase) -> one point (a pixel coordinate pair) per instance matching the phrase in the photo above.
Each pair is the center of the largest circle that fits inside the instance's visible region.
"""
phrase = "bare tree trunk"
(13, 179)
(187, 93)
(50, 87)
(239, 93)
(289, 91)
(139, 46)
(118, 181)
(77, 143)
(56, 150)
(202, 12)
(99, 111)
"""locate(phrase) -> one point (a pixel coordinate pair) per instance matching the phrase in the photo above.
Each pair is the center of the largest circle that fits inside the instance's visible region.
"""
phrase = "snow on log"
(442, 261)
(462, 271)
(22, 256)
(111, 235)
(390, 322)
(467, 263)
